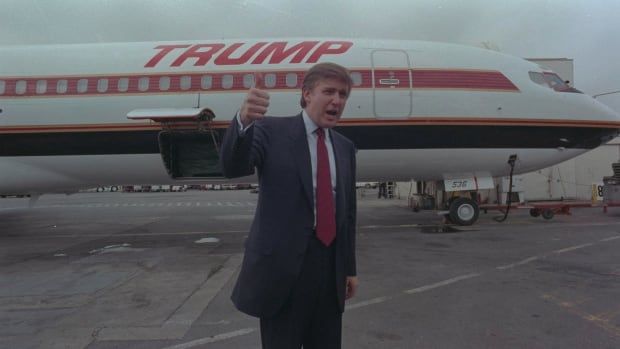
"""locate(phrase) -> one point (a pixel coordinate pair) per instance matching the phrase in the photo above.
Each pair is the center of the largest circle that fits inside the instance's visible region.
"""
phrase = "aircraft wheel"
(534, 212)
(547, 214)
(464, 211)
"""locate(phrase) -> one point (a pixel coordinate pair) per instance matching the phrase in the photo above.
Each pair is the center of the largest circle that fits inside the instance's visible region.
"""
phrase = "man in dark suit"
(299, 264)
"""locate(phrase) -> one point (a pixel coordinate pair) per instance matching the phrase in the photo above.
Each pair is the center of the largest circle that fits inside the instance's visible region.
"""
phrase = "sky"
(587, 31)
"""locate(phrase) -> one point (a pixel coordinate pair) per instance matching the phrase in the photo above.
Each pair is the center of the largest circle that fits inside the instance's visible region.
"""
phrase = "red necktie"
(325, 212)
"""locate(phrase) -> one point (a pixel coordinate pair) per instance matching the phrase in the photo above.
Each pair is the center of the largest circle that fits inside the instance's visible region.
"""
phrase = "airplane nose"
(607, 111)
(606, 114)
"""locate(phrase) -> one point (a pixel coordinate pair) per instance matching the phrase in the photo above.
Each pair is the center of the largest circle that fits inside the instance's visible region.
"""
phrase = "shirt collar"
(310, 125)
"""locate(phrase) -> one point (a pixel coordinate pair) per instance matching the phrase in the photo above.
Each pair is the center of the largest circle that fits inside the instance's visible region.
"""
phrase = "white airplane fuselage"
(417, 109)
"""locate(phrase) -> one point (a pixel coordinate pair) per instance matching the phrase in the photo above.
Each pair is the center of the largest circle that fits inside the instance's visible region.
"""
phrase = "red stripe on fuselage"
(239, 81)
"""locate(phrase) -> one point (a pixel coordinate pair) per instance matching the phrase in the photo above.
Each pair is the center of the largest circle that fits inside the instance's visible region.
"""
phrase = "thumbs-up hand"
(256, 102)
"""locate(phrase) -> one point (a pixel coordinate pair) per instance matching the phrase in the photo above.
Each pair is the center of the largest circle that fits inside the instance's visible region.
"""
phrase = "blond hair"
(324, 71)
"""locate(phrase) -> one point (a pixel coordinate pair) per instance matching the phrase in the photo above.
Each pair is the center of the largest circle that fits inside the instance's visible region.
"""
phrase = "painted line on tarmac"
(216, 338)
(421, 226)
(523, 262)
(442, 283)
(564, 250)
(379, 300)
(390, 226)
(12, 208)
(190, 233)
(572, 308)
(467, 276)
(573, 248)
(139, 204)
(610, 239)
(421, 289)
(367, 303)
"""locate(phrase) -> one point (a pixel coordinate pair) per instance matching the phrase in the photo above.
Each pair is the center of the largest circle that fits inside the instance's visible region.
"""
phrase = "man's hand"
(255, 104)
(352, 283)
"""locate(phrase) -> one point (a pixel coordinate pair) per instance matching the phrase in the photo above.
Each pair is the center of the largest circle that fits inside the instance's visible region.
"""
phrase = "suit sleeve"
(352, 214)
(241, 152)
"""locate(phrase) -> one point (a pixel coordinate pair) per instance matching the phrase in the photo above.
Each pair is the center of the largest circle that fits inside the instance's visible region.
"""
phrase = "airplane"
(88, 115)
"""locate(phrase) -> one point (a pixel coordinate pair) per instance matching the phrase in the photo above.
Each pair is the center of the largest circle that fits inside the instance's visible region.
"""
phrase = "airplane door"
(392, 84)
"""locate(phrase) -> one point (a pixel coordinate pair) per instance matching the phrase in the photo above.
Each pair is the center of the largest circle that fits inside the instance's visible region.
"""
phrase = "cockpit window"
(553, 81)
(538, 78)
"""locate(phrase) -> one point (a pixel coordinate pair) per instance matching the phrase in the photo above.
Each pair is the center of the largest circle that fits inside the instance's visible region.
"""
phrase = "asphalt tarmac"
(155, 270)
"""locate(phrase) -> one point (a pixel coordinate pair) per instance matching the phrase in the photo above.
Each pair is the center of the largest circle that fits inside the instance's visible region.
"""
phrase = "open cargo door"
(189, 146)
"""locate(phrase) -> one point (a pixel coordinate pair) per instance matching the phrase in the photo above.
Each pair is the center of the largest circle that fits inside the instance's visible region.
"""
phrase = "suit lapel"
(301, 153)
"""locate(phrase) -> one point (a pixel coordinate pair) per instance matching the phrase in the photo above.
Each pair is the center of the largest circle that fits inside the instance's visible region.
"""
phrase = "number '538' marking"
(459, 184)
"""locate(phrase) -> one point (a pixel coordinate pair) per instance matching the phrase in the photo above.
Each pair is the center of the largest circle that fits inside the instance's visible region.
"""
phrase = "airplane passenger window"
(143, 84)
(41, 86)
(82, 85)
(20, 87)
(227, 81)
(206, 82)
(164, 83)
(357, 78)
(248, 80)
(123, 84)
(2, 87)
(270, 80)
(102, 85)
(61, 86)
(186, 83)
(291, 80)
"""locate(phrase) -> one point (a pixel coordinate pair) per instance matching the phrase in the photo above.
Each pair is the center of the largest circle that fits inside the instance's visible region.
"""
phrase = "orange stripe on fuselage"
(347, 122)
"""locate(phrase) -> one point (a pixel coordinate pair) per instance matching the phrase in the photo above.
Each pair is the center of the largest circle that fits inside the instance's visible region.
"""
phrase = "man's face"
(326, 101)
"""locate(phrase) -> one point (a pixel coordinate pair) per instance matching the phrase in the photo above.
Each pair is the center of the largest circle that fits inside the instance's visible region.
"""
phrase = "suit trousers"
(311, 317)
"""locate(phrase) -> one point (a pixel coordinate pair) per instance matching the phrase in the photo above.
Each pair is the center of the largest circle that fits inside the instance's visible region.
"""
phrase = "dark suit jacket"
(284, 222)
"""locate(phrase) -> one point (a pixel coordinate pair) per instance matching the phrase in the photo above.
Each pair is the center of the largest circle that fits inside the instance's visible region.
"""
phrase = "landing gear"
(464, 211)
(457, 206)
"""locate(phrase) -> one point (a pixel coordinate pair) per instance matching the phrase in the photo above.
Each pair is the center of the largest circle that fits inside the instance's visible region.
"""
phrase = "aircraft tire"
(547, 214)
(464, 211)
